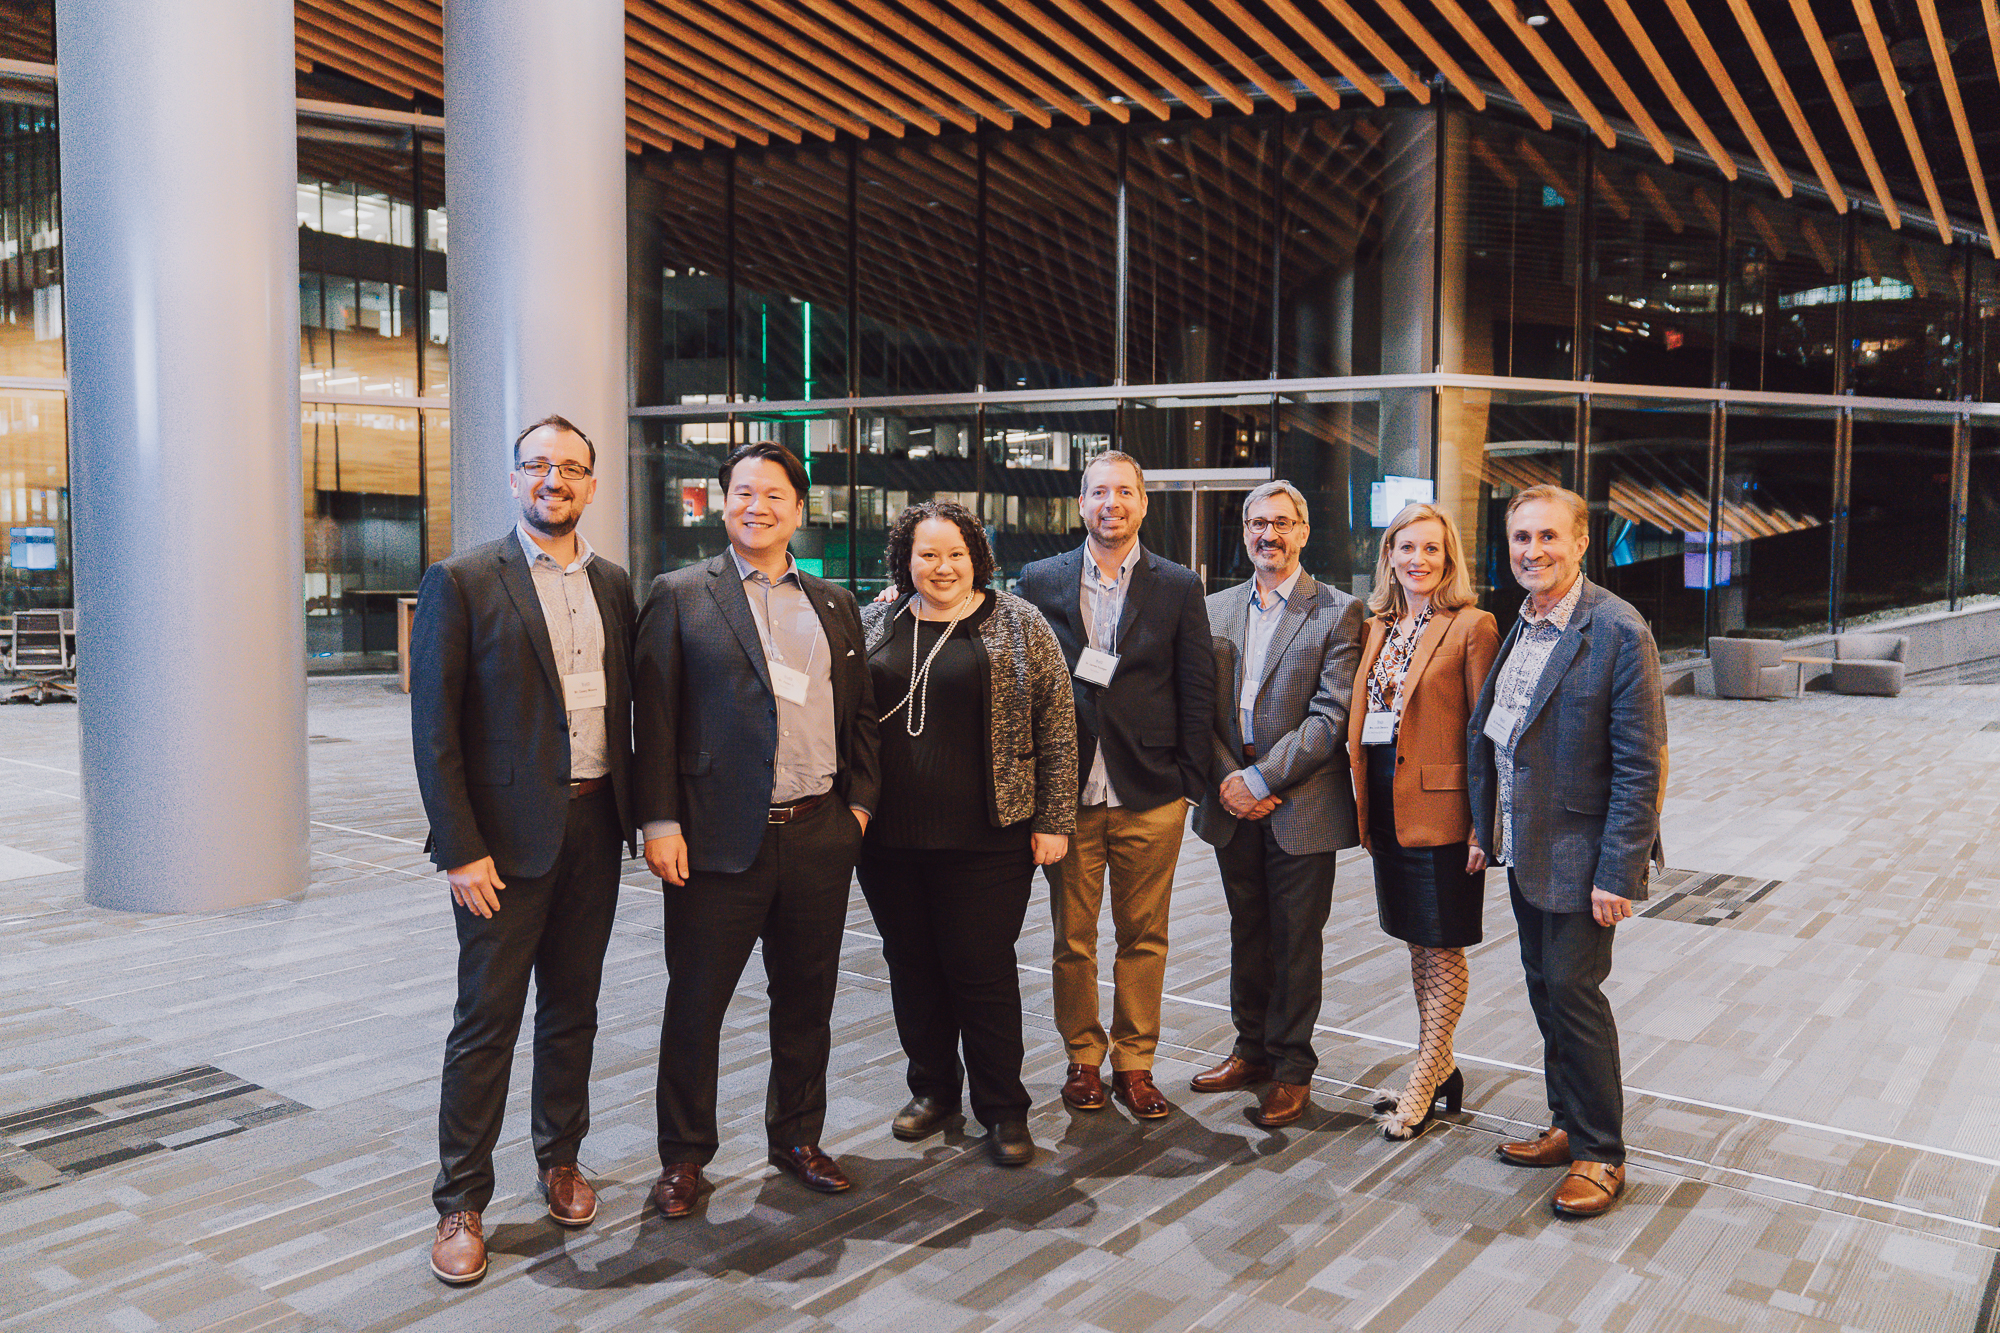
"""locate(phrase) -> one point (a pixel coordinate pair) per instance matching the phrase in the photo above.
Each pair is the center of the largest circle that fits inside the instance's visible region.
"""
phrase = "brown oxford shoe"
(677, 1189)
(1285, 1104)
(572, 1201)
(1589, 1189)
(815, 1170)
(1135, 1088)
(1549, 1148)
(458, 1255)
(1231, 1074)
(1083, 1088)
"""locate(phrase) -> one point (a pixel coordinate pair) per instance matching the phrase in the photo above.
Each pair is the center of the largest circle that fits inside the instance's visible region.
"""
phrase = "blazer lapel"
(730, 599)
(1298, 609)
(1434, 634)
(1237, 631)
(1072, 568)
(1136, 592)
(1560, 657)
(520, 586)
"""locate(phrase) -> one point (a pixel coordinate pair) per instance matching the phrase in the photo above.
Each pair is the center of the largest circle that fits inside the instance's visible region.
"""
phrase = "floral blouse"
(1392, 664)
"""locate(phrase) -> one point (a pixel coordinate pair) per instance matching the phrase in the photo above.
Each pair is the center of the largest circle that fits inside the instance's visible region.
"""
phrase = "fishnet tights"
(1441, 980)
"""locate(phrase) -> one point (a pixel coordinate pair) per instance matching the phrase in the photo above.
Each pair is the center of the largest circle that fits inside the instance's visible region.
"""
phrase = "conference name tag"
(583, 689)
(787, 683)
(1096, 666)
(1378, 729)
(1500, 724)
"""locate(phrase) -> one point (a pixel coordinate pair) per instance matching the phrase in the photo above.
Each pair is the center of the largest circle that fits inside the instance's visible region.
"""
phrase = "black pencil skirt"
(1422, 894)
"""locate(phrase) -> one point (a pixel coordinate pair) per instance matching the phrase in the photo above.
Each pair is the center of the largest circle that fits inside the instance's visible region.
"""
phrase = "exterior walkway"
(227, 1121)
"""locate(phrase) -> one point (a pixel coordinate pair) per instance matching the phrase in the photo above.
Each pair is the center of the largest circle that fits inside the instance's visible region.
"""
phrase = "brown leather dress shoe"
(1231, 1074)
(815, 1170)
(1135, 1088)
(1549, 1148)
(1589, 1189)
(458, 1255)
(572, 1201)
(1285, 1104)
(675, 1192)
(1083, 1088)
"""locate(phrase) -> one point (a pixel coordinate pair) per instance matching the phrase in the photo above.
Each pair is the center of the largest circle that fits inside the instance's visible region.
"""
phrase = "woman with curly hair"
(978, 788)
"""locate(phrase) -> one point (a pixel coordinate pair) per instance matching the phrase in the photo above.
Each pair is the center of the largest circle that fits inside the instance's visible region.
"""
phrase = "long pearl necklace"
(920, 674)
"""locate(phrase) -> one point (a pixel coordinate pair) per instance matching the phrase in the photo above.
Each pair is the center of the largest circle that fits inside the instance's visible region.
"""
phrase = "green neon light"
(808, 317)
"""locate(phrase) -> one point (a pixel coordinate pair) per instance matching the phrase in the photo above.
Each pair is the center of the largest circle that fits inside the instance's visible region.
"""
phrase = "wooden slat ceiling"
(1890, 100)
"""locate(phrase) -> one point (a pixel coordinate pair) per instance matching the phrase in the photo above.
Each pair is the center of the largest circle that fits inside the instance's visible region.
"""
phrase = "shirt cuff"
(1255, 782)
(660, 828)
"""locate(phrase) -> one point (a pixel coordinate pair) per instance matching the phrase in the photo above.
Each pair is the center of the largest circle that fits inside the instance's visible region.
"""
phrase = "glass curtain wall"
(34, 457)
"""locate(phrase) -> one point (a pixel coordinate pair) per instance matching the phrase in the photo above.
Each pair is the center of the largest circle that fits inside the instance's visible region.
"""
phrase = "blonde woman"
(1425, 657)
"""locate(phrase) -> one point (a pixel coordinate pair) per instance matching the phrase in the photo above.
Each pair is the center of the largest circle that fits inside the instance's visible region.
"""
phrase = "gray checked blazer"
(1590, 760)
(1300, 719)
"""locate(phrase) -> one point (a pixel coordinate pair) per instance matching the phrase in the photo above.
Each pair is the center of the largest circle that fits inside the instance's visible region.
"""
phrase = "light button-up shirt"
(1103, 602)
(576, 633)
(1519, 675)
(1262, 622)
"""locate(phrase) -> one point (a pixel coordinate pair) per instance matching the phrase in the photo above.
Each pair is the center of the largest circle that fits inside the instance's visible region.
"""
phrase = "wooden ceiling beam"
(395, 38)
(676, 125)
(1394, 64)
(999, 59)
(1029, 11)
(654, 94)
(1822, 249)
(1434, 50)
(1501, 171)
(773, 69)
(1892, 85)
(1948, 79)
(1155, 32)
(1219, 43)
(1649, 54)
(1496, 63)
(336, 34)
(691, 71)
(1844, 104)
(1760, 222)
(885, 40)
(421, 26)
(1021, 43)
(887, 71)
(1118, 41)
(1329, 51)
(1658, 199)
(1718, 75)
(894, 21)
(1510, 15)
(359, 61)
(767, 24)
(1593, 52)
(1269, 42)
(1746, 19)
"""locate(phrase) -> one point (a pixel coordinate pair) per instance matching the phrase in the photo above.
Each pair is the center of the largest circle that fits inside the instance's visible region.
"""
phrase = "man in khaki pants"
(1134, 630)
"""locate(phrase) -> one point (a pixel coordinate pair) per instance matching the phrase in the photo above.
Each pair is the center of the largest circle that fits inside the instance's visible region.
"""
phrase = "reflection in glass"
(1330, 452)
(1330, 297)
(1982, 511)
(1904, 314)
(1521, 232)
(1653, 274)
(791, 280)
(1035, 457)
(694, 295)
(31, 304)
(1899, 522)
(1784, 289)
(917, 263)
(364, 524)
(1051, 273)
(34, 501)
(1655, 462)
(1527, 440)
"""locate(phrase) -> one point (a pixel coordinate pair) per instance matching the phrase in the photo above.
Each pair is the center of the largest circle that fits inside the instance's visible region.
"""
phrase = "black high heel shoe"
(1384, 1105)
(1451, 1092)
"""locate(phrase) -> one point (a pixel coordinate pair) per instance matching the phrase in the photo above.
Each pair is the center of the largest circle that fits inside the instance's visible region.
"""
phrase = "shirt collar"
(1283, 590)
(1560, 613)
(745, 570)
(1092, 568)
(537, 556)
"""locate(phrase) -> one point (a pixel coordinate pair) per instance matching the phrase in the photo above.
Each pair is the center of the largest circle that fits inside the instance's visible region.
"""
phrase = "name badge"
(583, 689)
(787, 683)
(1378, 729)
(1500, 724)
(1096, 666)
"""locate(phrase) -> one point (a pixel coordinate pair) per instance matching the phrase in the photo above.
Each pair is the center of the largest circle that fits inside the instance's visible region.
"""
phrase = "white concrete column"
(534, 101)
(180, 249)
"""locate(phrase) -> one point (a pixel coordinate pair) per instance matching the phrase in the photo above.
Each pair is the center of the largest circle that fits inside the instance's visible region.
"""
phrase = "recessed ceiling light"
(1537, 20)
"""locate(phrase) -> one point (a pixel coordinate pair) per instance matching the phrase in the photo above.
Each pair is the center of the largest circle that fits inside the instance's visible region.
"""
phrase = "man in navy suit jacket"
(1134, 630)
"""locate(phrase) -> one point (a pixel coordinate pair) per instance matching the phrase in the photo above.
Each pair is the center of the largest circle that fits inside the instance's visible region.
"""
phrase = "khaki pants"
(1140, 848)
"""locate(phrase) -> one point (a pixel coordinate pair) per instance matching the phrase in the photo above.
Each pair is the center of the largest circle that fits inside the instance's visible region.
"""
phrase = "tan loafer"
(1549, 1148)
(1589, 1189)
(458, 1255)
(572, 1201)
(677, 1189)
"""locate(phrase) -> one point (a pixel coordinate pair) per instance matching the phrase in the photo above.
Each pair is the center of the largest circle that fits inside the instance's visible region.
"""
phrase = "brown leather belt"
(785, 814)
(1249, 752)
(586, 787)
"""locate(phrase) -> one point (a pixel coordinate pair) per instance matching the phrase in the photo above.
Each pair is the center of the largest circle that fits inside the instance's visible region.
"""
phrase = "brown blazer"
(1439, 694)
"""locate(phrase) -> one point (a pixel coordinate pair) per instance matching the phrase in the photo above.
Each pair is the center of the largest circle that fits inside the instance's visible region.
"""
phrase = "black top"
(937, 787)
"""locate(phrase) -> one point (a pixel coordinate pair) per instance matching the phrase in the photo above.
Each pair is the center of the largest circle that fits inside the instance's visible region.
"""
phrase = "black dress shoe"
(1009, 1144)
(815, 1170)
(921, 1118)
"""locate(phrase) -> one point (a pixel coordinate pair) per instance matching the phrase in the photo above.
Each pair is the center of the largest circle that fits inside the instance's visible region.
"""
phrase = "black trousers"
(949, 922)
(1567, 956)
(555, 928)
(1278, 904)
(793, 897)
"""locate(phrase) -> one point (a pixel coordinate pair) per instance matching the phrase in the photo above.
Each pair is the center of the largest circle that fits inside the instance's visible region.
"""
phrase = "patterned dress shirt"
(576, 633)
(1519, 675)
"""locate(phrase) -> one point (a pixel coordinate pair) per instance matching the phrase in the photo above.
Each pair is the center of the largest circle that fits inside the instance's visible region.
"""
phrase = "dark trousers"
(1567, 956)
(554, 927)
(793, 897)
(949, 922)
(1278, 905)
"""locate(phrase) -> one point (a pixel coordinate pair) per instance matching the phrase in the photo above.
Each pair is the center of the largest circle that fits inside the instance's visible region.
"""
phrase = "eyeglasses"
(1281, 526)
(541, 467)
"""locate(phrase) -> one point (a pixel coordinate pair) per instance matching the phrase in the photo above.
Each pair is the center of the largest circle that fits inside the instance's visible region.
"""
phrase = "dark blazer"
(1590, 765)
(706, 720)
(487, 725)
(1154, 718)
(1300, 719)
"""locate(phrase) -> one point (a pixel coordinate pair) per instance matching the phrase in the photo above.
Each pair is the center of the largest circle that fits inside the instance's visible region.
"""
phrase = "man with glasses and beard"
(520, 717)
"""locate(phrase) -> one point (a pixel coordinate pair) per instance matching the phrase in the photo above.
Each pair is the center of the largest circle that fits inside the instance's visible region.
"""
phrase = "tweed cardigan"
(1030, 711)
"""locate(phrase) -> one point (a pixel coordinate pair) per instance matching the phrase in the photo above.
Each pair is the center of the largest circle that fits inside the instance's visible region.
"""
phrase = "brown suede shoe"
(1285, 1104)
(458, 1255)
(1083, 1088)
(1589, 1189)
(1549, 1148)
(1231, 1074)
(572, 1201)
(675, 1192)
(815, 1170)
(1135, 1088)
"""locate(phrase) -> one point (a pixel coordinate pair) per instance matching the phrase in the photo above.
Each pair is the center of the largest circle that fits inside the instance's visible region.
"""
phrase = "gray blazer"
(1590, 764)
(1300, 719)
